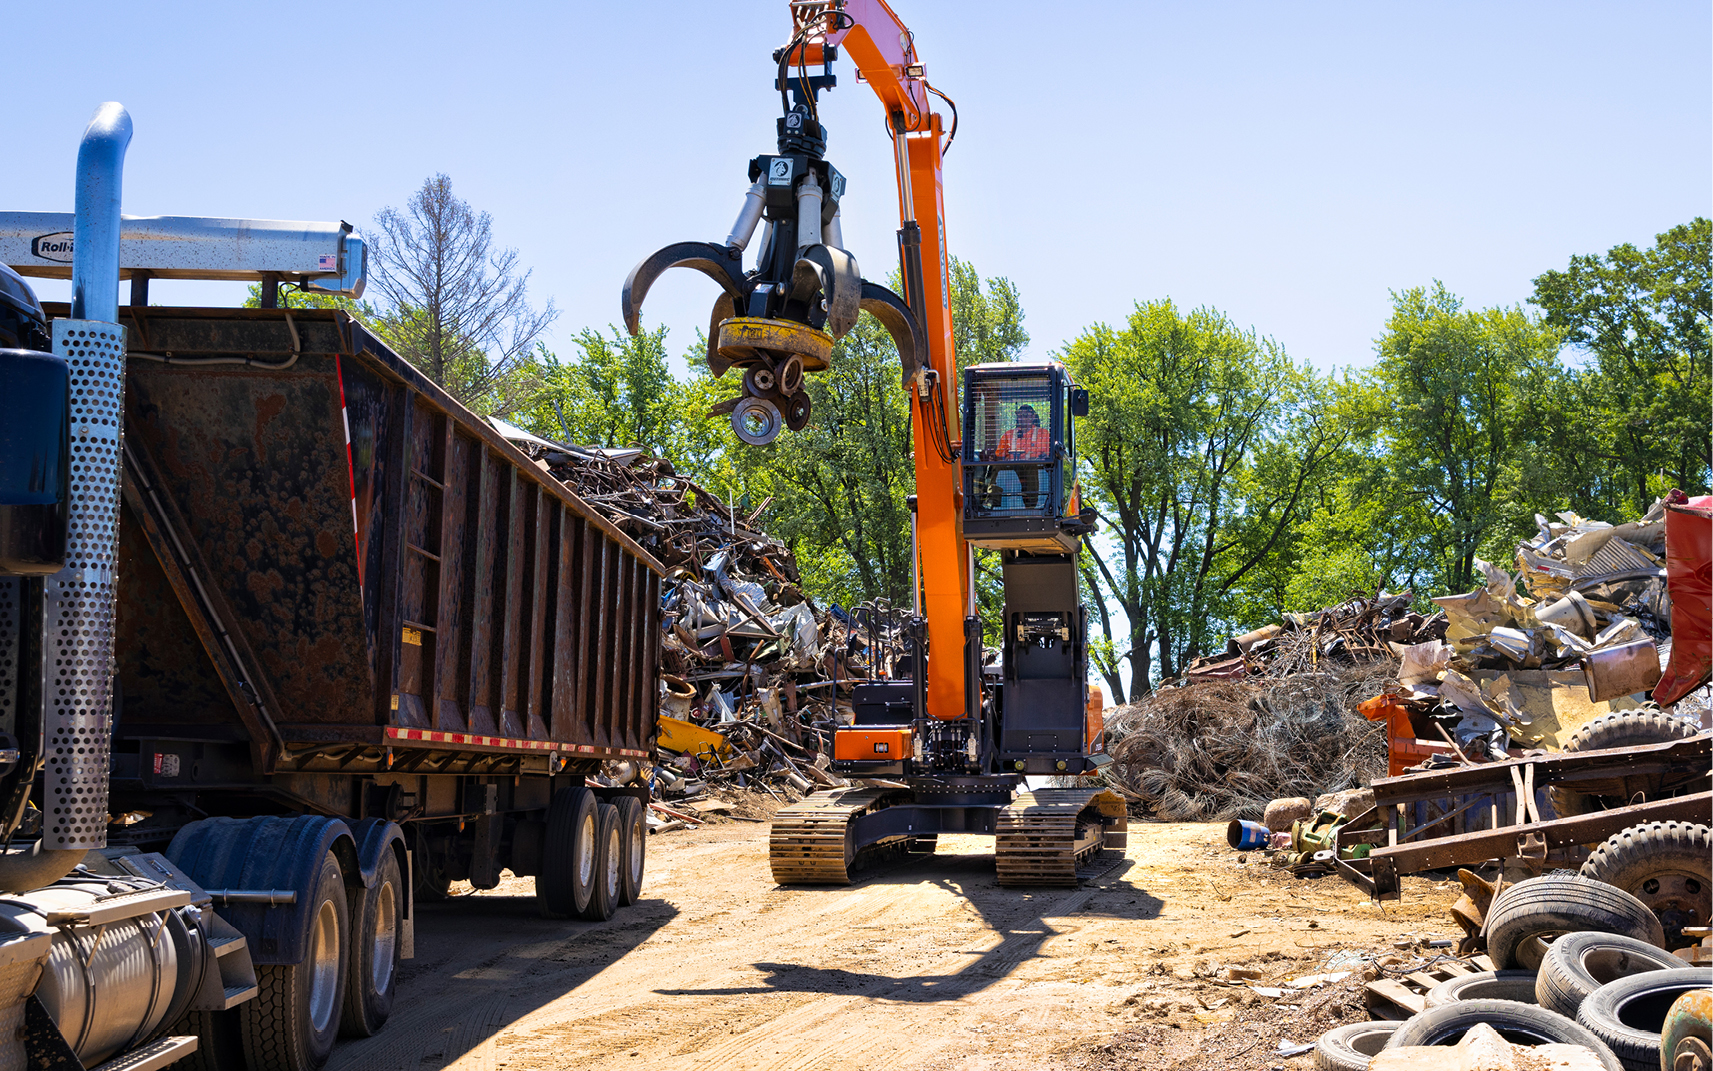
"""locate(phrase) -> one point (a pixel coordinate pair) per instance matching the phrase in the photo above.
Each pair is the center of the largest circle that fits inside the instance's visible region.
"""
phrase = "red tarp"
(1689, 580)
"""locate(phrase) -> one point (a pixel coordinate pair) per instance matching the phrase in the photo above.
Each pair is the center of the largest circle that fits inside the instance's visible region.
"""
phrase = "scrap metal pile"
(753, 673)
(1596, 601)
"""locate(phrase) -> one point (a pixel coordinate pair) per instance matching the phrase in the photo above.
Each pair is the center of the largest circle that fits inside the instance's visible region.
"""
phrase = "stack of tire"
(1581, 961)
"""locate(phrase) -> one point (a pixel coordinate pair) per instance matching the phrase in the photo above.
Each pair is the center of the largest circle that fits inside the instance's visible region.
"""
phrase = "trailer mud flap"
(269, 853)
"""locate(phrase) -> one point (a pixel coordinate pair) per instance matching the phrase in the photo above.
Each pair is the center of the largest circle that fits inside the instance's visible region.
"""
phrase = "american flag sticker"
(329, 262)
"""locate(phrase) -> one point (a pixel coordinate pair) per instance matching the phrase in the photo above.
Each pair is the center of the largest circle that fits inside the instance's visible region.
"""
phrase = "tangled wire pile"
(1214, 750)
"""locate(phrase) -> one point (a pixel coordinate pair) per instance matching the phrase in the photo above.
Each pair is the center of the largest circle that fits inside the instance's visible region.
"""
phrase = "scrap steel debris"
(1596, 601)
(753, 672)
(1285, 710)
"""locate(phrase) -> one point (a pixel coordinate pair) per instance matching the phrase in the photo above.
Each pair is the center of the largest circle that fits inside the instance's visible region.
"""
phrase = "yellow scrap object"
(690, 739)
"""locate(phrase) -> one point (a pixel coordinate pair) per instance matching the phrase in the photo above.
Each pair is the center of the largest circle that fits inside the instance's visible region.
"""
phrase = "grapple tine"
(724, 309)
(723, 264)
(900, 323)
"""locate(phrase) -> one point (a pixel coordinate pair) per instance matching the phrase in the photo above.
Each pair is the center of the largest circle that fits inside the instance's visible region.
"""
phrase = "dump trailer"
(339, 644)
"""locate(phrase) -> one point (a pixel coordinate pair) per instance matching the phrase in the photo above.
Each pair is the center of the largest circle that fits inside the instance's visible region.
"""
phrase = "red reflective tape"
(350, 471)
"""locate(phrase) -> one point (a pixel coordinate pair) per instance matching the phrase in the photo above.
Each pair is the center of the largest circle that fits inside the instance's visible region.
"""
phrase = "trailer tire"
(1522, 1024)
(293, 1021)
(1625, 728)
(1487, 985)
(1667, 866)
(1526, 917)
(1351, 1046)
(566, 881)
(1579, 963)
(1628, 1015)
(372, 976)
(609, 865)
(633, 837)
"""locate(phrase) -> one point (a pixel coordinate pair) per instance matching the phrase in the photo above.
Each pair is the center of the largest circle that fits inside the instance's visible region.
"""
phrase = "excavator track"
(1045, 836)
(810, 842)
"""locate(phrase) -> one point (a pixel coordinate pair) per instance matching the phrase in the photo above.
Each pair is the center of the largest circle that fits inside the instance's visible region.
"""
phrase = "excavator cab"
(1019, 457)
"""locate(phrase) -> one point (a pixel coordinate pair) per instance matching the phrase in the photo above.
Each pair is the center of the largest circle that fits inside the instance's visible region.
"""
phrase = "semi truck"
(290, 640)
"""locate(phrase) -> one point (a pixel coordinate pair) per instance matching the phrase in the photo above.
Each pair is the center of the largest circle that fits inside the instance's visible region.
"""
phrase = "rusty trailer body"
(342, 593)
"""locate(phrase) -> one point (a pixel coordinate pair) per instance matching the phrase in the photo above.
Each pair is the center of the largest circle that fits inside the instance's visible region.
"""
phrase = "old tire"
(567, 877)
(608, 881)
(1351, 1046)
(633, 839)
(1521, 1024)
(1687, 1034)
(372, 976)
(1667, 866)
(293, 1021)
(1579, 963)
(1627, 1015)
(1625, 728)
(1487, 985)
(1527, 916)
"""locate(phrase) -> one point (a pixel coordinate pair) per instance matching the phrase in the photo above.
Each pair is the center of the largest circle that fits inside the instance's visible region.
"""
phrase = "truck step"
(155, 1054)
(238, 994)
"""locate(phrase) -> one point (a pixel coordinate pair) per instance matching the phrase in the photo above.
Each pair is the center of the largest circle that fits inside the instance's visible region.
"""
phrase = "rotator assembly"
(780, 319)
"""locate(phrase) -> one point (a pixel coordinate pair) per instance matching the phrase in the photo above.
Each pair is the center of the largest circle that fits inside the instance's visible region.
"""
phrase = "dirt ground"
(928, 963)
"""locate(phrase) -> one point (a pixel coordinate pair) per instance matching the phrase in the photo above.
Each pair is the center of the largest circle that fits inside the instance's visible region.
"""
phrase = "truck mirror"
(1079, 401)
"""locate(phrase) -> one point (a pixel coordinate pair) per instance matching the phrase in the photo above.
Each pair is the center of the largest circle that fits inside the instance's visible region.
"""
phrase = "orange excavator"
(946, 742)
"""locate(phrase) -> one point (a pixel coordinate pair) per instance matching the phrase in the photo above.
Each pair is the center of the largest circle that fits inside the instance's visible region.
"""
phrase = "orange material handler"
(954, 735)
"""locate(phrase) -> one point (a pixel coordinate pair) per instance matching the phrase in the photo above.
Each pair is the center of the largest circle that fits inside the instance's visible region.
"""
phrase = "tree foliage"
(1202, 443)
(1644, 316)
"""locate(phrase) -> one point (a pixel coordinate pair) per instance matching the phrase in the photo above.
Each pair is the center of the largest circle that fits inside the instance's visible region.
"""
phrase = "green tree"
(1644, 315)
(1452, 382)
(1202, 446)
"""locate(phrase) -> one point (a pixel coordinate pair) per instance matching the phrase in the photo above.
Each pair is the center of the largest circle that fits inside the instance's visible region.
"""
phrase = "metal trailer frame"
(1652, 772)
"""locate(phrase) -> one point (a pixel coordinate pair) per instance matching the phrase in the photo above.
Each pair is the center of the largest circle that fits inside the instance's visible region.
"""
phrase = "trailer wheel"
(1579, 963)
(609, 865)
(1667, 866)
(373, 973)
(293, 1021)
(633, 838)
(567, 877)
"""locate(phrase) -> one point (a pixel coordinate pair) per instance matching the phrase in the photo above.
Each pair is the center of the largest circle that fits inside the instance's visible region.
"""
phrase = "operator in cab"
(1026, 441)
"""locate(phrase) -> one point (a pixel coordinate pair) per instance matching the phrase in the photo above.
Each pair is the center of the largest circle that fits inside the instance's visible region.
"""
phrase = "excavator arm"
(884, 51)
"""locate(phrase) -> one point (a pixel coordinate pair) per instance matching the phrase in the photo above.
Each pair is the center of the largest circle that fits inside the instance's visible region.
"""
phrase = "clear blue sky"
(1287, 163)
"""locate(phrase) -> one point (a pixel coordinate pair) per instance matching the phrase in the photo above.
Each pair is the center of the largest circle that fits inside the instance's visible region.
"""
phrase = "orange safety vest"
(1021, 443)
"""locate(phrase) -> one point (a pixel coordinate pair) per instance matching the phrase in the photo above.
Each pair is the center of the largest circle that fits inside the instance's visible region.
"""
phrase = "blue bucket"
(1247, 836)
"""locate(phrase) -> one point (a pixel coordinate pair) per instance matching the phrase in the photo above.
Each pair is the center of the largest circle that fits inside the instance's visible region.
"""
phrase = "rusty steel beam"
(1690, 756)
(1468, 848)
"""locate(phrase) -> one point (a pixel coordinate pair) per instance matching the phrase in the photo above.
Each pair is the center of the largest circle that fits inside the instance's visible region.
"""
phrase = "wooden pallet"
(1400, 998)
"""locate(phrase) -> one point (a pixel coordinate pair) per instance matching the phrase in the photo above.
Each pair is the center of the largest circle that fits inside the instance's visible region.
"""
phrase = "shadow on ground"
(482, 963)
(1019, 914)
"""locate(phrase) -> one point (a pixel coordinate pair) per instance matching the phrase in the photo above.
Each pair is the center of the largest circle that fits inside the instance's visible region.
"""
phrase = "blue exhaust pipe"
(95, 239)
